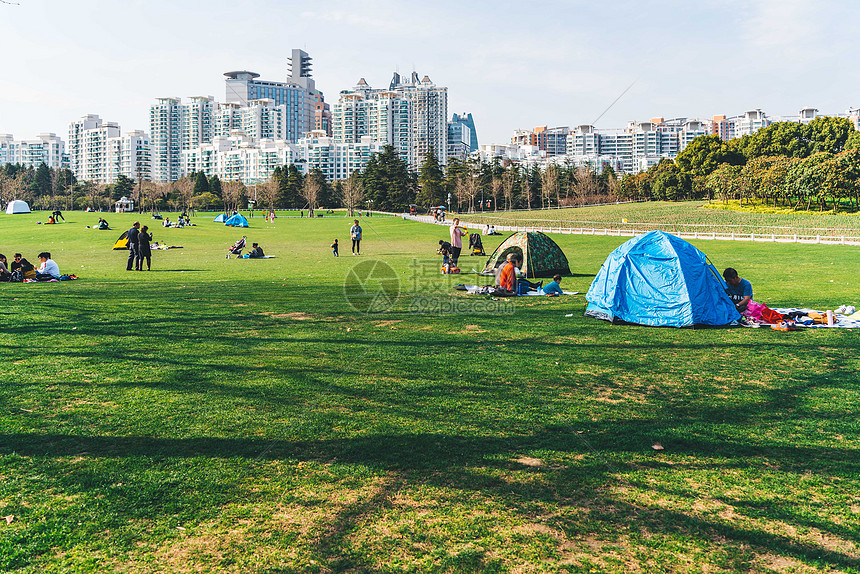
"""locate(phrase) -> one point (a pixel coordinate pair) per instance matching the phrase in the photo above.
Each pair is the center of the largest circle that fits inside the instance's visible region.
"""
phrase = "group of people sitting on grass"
(509, 281)
(179, 223)
(22, 270)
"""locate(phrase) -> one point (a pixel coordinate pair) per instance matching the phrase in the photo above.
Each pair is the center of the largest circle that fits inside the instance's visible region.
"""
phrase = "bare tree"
(20, 189)
(55, 184)
(91, 192)
(311, 192)
(550, 184)
(508, 178)
(472, 181)
(147, 192)
(351, 193)
(5, 189)
(185, 190)
(232, 192)
(585, 185)
(460, 191)
(267, 193)
(497, 185)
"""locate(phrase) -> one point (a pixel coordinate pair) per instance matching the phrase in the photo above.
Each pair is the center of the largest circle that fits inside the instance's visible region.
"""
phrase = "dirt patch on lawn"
(297, 315)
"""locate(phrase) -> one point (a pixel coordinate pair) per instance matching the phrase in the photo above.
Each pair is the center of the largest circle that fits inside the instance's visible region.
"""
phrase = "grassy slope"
(223, 415)
(680, 216)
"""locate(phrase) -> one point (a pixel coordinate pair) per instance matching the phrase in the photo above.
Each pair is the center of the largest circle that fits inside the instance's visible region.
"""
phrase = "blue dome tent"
(220, 219)
(237, 221)
(659, 280)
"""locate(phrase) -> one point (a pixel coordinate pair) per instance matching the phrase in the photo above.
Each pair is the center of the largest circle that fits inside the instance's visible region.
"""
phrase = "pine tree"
(201, 185)
(430, 182)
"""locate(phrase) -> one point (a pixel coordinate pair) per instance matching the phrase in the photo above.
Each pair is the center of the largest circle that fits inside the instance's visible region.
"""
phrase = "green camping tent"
(542, 257)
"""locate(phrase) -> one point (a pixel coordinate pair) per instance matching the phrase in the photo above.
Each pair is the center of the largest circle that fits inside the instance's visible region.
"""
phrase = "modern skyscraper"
(468, 121)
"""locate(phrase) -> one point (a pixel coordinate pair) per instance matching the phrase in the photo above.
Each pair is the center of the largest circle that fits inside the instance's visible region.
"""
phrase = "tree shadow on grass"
(459, 463)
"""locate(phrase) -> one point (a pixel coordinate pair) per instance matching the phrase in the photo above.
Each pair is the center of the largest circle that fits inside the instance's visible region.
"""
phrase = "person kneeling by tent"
(739, 290)
(48, 269)
(256, 251)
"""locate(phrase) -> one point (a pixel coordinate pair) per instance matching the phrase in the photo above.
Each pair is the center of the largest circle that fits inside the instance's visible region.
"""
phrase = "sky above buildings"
(513, 65)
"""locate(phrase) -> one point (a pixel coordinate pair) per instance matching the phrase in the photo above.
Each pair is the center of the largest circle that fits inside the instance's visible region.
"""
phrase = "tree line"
(786, 163)
(387, 184)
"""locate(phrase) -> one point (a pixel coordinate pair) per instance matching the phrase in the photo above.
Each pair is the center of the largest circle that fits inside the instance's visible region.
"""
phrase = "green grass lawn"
(223, 415)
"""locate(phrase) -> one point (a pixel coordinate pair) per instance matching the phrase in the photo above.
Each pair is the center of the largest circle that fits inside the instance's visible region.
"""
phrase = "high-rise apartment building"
(165, 137)
(236, 158)
(409, 115)
(129, 156)
(47, 148)
(255, 109)
(89, 148)
(98, 152)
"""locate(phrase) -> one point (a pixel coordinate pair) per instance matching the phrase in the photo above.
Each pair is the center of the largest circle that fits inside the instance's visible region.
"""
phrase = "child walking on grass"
(334, 248)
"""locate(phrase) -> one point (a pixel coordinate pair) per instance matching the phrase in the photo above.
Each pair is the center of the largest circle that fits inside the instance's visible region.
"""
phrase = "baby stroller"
(476, 245)
(237, 248)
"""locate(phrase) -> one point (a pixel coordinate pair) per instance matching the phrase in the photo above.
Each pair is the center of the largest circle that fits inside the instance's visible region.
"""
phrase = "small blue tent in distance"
(659, 280)
(237, 221)
(220, 219)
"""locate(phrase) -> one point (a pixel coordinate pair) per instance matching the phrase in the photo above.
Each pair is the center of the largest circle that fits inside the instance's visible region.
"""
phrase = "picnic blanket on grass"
(840, 321)
(487, 290)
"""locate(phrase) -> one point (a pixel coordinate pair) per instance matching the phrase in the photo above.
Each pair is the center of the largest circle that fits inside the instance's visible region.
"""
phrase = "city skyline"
(511, 66)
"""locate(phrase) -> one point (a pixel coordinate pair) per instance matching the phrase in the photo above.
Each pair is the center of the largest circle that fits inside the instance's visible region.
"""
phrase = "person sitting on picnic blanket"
(22, 266)
(508, 275)
(553, 288)
(739, 290)
(48, 269)
(256, 251)
(5, 274)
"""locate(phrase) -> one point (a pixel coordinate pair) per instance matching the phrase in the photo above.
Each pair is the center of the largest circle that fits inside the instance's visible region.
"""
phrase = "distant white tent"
(17, 206)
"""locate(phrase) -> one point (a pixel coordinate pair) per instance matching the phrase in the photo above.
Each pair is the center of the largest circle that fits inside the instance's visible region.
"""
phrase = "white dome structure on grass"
(17, 206)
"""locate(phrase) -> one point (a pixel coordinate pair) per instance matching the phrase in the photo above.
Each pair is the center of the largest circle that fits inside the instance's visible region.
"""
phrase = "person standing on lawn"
(133, 260)
(144, 252)
(457, 234)
(355, 234)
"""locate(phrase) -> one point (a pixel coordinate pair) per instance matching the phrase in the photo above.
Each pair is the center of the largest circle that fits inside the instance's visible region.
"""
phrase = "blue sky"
(511, 64)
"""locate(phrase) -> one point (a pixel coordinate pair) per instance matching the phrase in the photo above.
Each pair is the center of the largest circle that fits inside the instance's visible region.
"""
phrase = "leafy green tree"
(41, 184)
(201, 184)
(215, 188)
(810, 180)
(782, 138)
(724, 181)
(123, 187)
(430, 182)
(669, 183)
(387, 181)
(290, 184)
(828, 134)
(704, 154)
